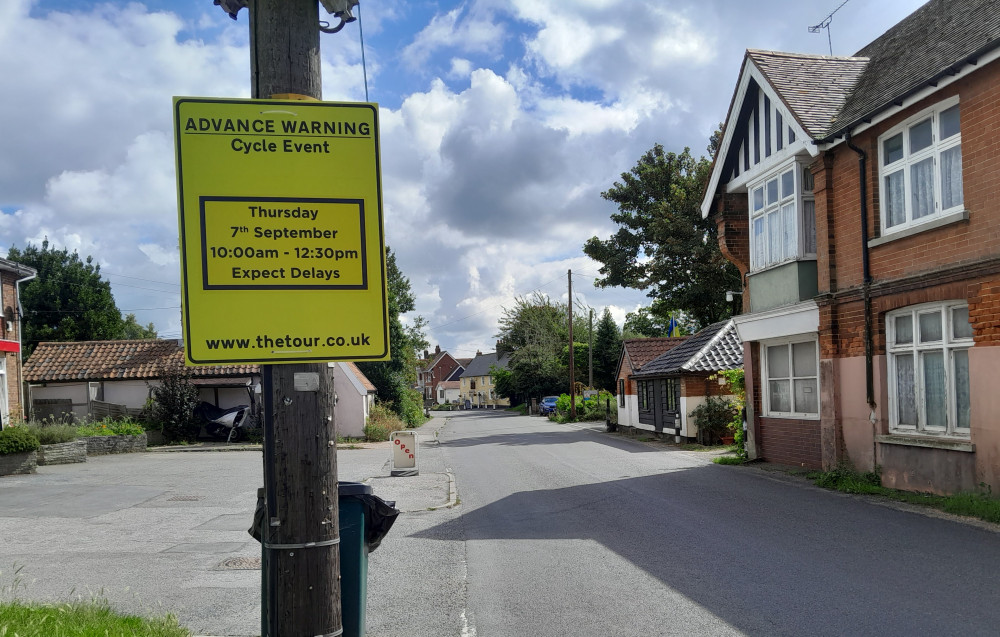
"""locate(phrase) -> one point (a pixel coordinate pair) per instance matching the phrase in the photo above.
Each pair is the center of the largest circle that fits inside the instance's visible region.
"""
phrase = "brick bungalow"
(858, 196)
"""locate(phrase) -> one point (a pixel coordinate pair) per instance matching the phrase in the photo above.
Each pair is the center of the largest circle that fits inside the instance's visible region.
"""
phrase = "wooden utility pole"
(301, 540)
(572, 363)
(590, 352)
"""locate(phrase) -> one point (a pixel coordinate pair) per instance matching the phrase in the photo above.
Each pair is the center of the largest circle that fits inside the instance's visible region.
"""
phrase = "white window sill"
(940, 222)
(792, 416)
(932, 442)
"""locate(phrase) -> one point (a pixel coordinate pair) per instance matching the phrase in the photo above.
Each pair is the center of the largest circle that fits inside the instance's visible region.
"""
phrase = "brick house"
(11, 402)
(857, 195)
(636, 353)
(438, 368)
(671, 385)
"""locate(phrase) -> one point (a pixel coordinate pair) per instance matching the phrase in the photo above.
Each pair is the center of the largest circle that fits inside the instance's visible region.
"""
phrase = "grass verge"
(81, 619)
(727, 460)
(975, 505)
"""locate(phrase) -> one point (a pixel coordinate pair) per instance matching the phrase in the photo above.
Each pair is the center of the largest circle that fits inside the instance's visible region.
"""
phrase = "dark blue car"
(547, 405)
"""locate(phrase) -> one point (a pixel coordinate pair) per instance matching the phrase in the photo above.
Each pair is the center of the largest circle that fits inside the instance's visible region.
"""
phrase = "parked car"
(547, 405)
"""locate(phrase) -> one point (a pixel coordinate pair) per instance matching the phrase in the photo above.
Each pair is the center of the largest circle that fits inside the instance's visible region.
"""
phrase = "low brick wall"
(103, 445)
(18, 463)
(63, 453)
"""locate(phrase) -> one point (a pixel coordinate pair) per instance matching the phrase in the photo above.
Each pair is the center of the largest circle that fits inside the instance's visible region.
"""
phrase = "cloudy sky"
(501, 122)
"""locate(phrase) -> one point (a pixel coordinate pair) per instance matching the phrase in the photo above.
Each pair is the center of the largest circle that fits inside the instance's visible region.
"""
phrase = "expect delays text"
(283, 273)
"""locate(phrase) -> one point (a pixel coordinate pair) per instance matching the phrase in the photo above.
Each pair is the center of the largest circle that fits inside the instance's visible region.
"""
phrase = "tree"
(131, 330)
(394, 378)
(67, 301)
(607, 351)
(663, 245)
(534, 333)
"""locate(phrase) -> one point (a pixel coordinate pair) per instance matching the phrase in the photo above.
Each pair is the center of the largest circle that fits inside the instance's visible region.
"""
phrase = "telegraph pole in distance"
(301, 538)
(572, 363)
(590, 351)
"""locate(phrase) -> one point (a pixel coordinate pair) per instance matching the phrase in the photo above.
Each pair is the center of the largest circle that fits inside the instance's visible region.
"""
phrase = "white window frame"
(910, 159)
(766, 378)
(799, 198)
(948, 346)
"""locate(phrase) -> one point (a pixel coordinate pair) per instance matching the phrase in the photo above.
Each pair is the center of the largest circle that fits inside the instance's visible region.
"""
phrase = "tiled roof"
(117, 360)
(935, 40)
(814, 87)
(711, 349)
(450, 384)
(17, 268)
(480, 365)
(367, 384)
(640, 351)
(456, 374)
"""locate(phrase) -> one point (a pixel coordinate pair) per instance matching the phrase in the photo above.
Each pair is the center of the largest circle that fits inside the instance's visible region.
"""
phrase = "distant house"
(11, 403)
(437, 369)
(450, 390)
(477, 390)
(80, 378)
(355, 396)
(673, 384)
(636, 353)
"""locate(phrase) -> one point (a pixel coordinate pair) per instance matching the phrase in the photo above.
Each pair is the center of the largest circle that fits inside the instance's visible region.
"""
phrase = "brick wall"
(13, 359)
(791, 442)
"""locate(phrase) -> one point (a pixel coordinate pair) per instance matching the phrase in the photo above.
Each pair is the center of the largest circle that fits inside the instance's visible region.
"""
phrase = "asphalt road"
(555, 530)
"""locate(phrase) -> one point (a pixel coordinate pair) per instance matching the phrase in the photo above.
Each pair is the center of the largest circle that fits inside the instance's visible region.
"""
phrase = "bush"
(173, 407)
(111, 427)
(713, 418)
(411, 409)
(382, 421)
(593, 409)
(51, 433)
(17, 440)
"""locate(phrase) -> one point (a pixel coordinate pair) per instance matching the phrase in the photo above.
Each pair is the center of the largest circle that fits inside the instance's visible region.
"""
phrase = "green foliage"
(131, 330)
(111, 427)
(534, 334)
(713, 418)
(607, 351)
(737, 387)
(173, 406)
(727, 460)
(393, 378)
(80, 619)
(846, 479)
(663, 245)
(382, 421)
(17, 440)
(411, 409)
(51, 433)
(594, 408)
(67, 301)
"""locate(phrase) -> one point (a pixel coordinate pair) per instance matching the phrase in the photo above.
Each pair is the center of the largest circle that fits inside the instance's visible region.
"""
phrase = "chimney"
(425, 354)
(437, 350)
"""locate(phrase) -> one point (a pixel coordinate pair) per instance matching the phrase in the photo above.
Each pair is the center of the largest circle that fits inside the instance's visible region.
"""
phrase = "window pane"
(808, 181)
(921, 136)
(777, 361)
(791, 135)
(904, 330)
(759, 247)
(962, 402)
(789, 231)
(803, 359)
(758, 198)
(892, 149)
(960, 326)
(930, 327)
(779, 129)
(906, 398)
(787, 184)
(775, 246)
(806, 397)
(951, 178)
(780, 399)
(949, 122)
(809, 226)
(894, 199)
(772, 191)
(935, 395)
(922, 188)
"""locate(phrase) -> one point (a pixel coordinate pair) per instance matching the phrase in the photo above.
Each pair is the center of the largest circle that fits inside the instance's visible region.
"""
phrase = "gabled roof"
(480, 365)
(456, 374)
(812, 87)
(17, 268)
(450, 384)
(713, 348)
(367, 384)
(146, 359)
(640, 351)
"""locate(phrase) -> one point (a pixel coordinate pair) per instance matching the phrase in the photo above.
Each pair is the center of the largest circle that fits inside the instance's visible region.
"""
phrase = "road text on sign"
(281, 231)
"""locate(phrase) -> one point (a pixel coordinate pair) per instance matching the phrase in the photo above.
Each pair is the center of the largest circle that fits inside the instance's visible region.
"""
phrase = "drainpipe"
(20, 353)
(866, 287)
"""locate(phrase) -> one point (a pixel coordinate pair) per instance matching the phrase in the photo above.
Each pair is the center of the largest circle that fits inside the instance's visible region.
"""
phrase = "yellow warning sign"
(281, 234)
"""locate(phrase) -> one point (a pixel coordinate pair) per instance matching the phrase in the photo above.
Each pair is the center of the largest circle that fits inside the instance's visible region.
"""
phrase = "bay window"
(920, 168)
(928, 364)
(791, 378)
(782, 217)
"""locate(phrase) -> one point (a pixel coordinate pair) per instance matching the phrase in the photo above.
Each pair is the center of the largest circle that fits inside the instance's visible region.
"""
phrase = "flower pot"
(728, 440)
